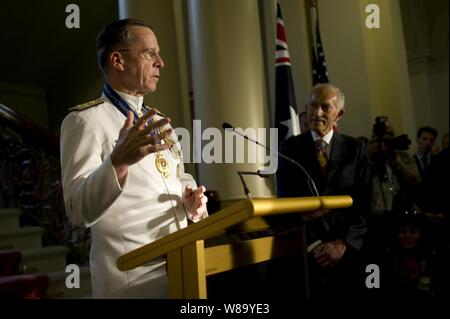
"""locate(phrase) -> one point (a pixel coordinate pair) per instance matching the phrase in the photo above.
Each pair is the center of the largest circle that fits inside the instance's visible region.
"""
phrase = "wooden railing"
(30, 179)
(30, 132)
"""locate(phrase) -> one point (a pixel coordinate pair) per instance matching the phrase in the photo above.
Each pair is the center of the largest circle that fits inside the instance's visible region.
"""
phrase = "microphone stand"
(246, 190)
(311, 185)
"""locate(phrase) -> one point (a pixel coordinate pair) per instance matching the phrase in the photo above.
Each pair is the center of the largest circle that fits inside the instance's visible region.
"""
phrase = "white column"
(228, 83)
(172, 94)
(370, 65)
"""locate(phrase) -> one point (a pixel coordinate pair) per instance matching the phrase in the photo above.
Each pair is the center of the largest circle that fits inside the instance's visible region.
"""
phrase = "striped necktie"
(322, 155)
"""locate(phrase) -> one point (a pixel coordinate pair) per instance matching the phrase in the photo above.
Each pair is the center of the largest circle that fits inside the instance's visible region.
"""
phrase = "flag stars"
(285, 114)
(319, 65)
(292, 123)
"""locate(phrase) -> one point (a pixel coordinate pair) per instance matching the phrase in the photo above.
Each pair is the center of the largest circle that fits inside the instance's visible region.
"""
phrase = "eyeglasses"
(146, 54)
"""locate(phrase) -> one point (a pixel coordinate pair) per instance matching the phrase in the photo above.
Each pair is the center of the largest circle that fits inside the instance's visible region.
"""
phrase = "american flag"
(319, 65)
(286, 114)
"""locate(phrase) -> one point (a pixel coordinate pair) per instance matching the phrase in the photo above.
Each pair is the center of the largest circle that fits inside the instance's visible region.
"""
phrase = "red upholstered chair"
(10, 262)
(16, 285)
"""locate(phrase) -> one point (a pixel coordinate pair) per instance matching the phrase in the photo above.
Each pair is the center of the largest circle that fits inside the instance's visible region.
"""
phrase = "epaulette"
(86, 105)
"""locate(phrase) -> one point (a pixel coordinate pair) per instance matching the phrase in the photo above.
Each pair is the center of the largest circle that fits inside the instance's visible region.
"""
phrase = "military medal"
(161, 165)
(168, 140)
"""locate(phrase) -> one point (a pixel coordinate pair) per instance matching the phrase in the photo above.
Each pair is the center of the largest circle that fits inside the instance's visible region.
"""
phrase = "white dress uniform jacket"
(148, 207)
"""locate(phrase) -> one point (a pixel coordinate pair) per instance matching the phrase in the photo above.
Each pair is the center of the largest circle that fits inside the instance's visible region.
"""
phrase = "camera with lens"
(392, 143)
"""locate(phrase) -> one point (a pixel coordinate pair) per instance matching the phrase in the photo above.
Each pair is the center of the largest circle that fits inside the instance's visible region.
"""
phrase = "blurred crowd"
(408, 225)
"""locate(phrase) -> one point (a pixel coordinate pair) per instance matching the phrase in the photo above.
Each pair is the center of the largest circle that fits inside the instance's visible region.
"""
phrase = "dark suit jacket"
(421, 171)
(433, 191)
(347, 175)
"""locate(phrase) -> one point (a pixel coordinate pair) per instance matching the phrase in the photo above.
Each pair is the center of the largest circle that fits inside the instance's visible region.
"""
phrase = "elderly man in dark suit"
(338, 165)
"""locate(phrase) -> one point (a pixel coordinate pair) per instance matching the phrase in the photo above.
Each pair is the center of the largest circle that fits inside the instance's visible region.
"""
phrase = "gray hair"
(340, 97)
(113, 35)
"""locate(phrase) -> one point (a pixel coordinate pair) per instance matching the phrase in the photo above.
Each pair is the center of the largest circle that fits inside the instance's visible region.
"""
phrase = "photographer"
(394, 176)
(394, 180)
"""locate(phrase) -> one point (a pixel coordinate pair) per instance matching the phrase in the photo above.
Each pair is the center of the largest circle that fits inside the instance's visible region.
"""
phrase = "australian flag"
(286, 114)
(319, 65)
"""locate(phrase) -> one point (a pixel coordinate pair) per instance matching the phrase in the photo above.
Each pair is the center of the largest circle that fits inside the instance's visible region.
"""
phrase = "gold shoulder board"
(86, 105)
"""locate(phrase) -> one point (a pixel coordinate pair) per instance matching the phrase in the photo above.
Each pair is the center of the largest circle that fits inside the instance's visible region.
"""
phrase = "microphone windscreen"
(226, 125)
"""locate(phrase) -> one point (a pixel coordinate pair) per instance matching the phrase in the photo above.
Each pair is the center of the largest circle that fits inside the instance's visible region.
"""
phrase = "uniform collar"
(135, 102)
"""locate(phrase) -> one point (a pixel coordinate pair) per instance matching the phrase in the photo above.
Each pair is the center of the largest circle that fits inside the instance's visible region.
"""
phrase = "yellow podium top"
(226, 218)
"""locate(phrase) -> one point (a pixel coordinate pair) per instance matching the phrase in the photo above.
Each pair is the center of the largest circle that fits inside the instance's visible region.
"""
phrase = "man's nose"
(159, 63)
(318, 111)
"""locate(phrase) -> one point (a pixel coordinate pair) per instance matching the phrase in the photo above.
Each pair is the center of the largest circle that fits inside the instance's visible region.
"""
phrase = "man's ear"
(340, 114)
(116, 61)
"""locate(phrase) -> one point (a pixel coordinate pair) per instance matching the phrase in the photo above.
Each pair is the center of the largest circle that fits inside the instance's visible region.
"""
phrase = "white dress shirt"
(326, 139)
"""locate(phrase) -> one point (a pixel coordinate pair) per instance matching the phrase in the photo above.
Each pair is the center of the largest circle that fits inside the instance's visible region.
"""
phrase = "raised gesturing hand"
(137, 141)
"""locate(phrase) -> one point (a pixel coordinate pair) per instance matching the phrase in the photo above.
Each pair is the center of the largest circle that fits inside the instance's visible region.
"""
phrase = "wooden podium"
(189, 260)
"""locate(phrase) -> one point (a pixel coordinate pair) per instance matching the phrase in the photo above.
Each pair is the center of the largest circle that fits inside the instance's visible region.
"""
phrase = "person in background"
(338, 165)
(393, 171)
(304, 126)
(394, 180)
(426, 137)
(434, 203)
(410, 268)
(445, 141)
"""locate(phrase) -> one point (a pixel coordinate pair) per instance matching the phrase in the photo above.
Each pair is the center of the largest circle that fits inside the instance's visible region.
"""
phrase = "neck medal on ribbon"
(160, 162)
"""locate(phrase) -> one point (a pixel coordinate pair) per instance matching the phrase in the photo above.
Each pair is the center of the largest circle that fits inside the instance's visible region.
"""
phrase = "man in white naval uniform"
(122, 172)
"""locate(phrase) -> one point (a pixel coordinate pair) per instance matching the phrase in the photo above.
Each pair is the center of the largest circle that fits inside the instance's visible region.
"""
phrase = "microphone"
(226, 125)
(310, 182)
